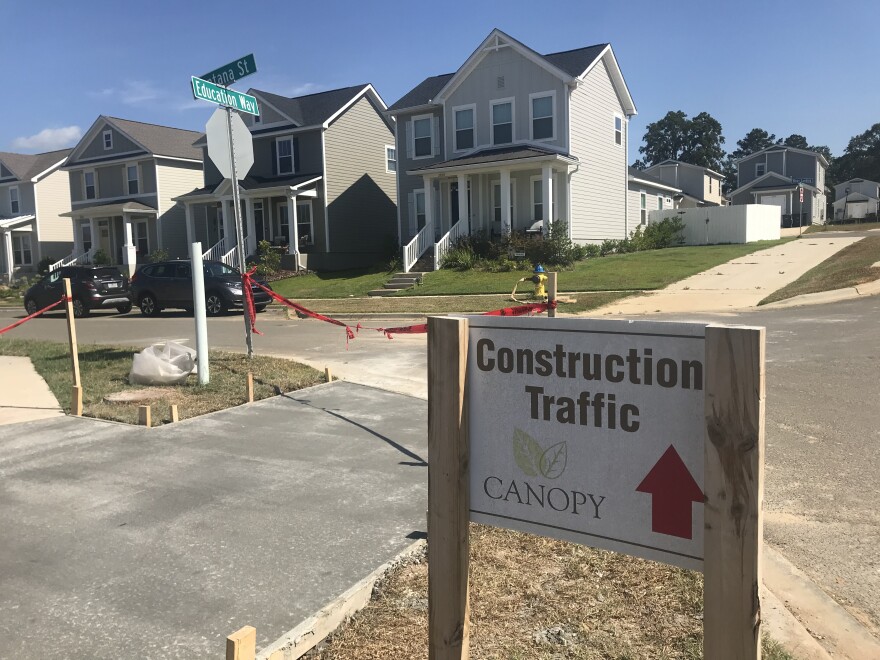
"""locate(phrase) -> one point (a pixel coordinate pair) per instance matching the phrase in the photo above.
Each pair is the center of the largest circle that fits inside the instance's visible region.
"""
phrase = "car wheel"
(124, 308)
(149, 306)
(214, 304)
(260, 308)
(30, 306)
(80, 309)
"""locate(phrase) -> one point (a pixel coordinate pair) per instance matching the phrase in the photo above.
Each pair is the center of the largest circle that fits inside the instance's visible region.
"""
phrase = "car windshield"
(219, 270)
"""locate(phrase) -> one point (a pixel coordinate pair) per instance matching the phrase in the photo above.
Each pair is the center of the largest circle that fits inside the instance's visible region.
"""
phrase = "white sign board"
(590, 431)
(217, 133)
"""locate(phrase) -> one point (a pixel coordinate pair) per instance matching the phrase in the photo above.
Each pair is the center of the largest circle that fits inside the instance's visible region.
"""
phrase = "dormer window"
(284, 147)
(14, 205)
(90, 191)
(760, 169)
(542, 109)
(131, 175)
(502, 121)
(108, 140)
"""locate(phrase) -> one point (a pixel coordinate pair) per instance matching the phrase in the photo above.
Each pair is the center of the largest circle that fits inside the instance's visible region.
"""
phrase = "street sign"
(208, 91)
(217, 133)
(229, 73)
(573, 435)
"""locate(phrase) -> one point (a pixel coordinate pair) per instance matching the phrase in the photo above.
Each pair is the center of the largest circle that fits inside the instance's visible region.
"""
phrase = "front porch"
(494, 191)
(17, 255)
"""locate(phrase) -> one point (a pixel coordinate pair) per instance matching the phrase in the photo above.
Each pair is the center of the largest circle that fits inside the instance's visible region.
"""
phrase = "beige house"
(33, 198)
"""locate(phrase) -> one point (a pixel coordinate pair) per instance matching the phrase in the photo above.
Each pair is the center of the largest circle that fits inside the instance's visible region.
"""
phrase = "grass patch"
(104, 370)
(338, 284)
(542, 599)
(849, 267)
(862, 226)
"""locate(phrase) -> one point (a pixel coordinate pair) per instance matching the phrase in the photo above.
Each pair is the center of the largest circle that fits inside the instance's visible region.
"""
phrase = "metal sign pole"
(239, 234)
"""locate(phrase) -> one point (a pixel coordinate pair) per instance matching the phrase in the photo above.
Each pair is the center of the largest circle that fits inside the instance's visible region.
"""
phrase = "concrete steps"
(398, 282)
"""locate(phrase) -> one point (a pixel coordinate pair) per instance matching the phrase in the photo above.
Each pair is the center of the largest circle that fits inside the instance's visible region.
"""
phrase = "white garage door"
(857, 209)
(776, 200)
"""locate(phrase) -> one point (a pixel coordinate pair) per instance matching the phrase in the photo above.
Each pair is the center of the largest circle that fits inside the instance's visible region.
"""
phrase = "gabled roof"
(575, 62)
(641, 175)
(837, 185)
(506, 154)
(772, 181)
(252, 182)
(782, 147)
(672, 161)
(28, 166)
(152, 138)
(315, 109)
(423, 93)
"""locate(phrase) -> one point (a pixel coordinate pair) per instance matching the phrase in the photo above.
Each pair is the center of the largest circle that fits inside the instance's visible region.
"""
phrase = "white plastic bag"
(162, 364)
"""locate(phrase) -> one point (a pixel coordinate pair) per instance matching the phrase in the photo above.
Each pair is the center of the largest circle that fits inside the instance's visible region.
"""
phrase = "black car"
(92, 287)
(166, 284)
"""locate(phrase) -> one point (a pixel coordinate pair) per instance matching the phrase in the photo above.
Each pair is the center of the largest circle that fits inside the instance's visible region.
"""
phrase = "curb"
(311, 632)
(837, 295)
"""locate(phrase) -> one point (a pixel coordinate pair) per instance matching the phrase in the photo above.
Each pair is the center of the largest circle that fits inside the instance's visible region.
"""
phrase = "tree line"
(698, 140)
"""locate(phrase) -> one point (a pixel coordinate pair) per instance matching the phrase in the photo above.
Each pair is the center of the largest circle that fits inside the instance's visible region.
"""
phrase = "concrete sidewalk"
(737, 284)
(24, 395)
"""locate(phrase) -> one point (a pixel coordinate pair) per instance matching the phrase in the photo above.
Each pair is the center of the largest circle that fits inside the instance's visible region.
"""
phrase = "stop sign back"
(219, 149)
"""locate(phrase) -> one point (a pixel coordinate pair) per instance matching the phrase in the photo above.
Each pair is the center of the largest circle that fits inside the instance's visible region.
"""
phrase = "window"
(710, 184)
(618, 130)
(537, 199)
(108, 140)
(643, 207)
(542, 109)
(422, 137)
(260, 222)
(283, 223)
(305, 229)
(90, 191)
(86, 235)
(496, 201)
(419, 203)
(141, 239)
(502, 121)
(284, 147)
(14, 205)
(660, 202)
(390, 159)
(256, 119)
(131, 175)
(21, 250)
(464, 127)
(760, 169)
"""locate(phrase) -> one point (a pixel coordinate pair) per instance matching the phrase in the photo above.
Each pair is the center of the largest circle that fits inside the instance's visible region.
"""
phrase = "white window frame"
(643, 207)
(299, 222)
(761, 165)
(135, 235)
(16, 201)
(541, 95)
(412, 136)
(659, 202)
(107, 134)
(389, 159)
(94, 174)
(416, 193)
(620, 131)
(278, 155)
(473, 108)
(532, 181)
(137, 179)
(512, 101)
(18, 251)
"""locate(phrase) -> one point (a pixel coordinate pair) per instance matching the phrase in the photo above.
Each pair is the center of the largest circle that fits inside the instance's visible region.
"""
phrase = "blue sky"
(787, 67)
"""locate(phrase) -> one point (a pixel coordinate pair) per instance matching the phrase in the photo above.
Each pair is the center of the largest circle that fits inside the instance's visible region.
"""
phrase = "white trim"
(458, 108)
(104, 135)
(21, 236)
(278, 156)
(17, 211)
(357, 97)
(387, 159)
(198, 161)
(308, 203)
(541, 95)
(160, 242)
(397, 183)
(652, 184)
(415, 194)
(617, 80)
(412, 135)
(512, 101)
(764, 167)
(326, 205)
(37, 177)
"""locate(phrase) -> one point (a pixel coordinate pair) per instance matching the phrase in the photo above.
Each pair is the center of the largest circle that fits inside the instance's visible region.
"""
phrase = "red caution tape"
(246, 279)
(34, 315)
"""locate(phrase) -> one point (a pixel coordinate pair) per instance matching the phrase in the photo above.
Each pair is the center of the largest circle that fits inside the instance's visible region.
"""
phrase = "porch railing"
(74, 259)
(418, 246)
(217, 251)
(229, 258)
(448, 239)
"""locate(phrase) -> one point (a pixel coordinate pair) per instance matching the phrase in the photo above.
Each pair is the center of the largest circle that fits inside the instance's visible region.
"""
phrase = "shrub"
(101, 258)
(460, 257)
(158, 255)
(666, 233)
(268, 260)
(43, 265)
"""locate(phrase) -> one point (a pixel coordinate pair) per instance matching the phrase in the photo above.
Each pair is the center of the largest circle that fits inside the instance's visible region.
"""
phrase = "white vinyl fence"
(744, 223)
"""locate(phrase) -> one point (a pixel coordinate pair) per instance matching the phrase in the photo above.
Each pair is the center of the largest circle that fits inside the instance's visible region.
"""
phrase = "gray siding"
(308, 151)
(599, 187)
(652, 202)
(25, 198)
(121, 145)
(361, 195)
(267, 116)
(867, 188)
(4, 172)
(406, 183)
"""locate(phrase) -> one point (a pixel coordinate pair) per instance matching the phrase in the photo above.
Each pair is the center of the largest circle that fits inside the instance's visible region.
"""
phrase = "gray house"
(321, 188)
(511, 141)
(123, 177)
(33, 196)
(647, 193)
(774, 176)
(699, 186)
(856, 198)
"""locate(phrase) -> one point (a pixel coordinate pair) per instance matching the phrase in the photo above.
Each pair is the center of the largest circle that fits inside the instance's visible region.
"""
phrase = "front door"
(104, 241)
(453, 203)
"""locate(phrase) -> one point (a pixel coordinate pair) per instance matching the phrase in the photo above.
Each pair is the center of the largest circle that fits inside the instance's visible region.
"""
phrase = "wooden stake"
(242, 644)
(144, 415)
(175, 417)
(250, 387)
(328, 375)
(448, 494)
(551, 293)
(734, 485)
(71, 333)
(76, 400)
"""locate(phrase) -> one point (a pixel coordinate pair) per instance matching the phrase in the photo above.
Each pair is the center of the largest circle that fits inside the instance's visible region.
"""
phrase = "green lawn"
(852, 226)
(339, 284)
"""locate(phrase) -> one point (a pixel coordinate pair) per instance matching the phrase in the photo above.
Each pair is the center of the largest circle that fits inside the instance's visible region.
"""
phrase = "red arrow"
(673, 489)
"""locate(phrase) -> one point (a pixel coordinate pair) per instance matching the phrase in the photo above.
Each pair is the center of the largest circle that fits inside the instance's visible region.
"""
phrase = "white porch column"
(429, 203)
(7, 256)
(251, 226)
(506, 220)
(463, 212)
(93, 229)
(293, 238)
(547, 197)
(190, 226)
(129, 253)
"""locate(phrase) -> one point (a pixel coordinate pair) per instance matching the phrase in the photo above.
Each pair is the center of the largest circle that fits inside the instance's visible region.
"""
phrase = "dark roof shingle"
(496, 154)
(160, 140)
(311, 109)
(26, 166)
(422, 93)
(650, 178)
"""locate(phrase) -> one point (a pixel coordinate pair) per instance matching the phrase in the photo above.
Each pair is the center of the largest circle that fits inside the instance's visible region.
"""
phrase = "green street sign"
(208, 91)
(229, 73)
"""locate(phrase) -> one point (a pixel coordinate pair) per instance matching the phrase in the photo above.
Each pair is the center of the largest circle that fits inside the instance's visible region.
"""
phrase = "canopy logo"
(534, 460)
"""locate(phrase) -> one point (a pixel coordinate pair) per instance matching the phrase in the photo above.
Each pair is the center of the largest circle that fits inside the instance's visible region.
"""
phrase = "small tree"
(268, 261)
(101, 258)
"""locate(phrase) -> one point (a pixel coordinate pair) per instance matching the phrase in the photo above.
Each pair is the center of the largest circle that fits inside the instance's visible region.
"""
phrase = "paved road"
(823, 418)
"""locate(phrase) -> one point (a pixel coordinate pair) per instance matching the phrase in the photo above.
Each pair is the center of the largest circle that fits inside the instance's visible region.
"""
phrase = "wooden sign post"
(76, 404)
(643, 438)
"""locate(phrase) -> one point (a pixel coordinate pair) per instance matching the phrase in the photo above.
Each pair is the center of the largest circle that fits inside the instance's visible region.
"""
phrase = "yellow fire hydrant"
(539, 279)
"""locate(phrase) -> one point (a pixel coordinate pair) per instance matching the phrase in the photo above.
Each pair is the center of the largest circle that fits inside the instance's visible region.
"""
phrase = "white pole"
(198, 277)
(239, 234)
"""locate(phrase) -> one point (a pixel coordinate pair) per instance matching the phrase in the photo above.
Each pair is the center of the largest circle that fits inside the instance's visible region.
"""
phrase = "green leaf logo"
(533, 459)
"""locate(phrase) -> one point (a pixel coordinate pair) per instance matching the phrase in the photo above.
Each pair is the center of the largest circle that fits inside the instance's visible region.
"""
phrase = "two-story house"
(699, 186)
(773, 176)
(856, 198)
(321, 187)
(33, 196)
(123, 178)
(649, 193)
(513, 140)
